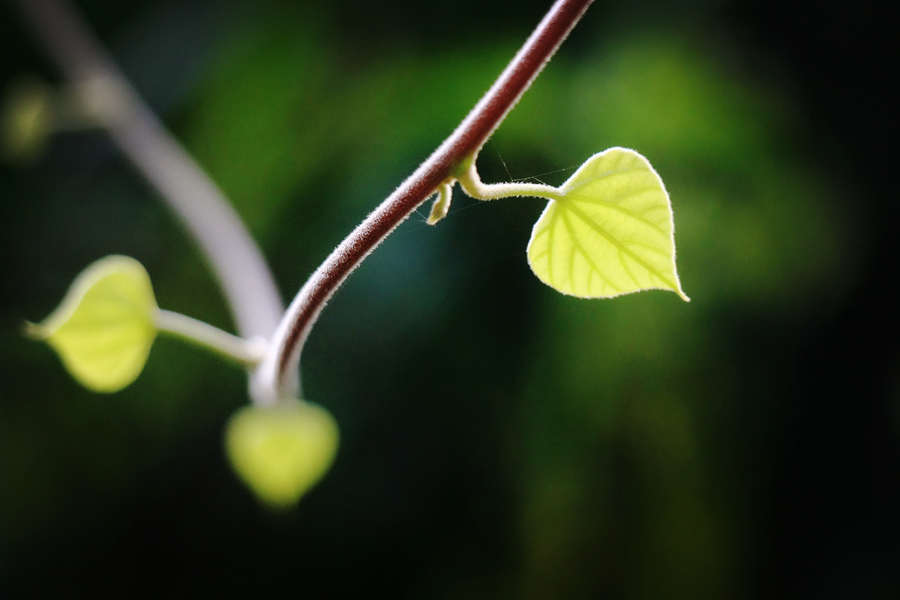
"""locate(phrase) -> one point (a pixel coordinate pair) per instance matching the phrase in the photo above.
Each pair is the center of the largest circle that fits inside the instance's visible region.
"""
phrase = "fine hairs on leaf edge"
(570, 186)
(563, 199)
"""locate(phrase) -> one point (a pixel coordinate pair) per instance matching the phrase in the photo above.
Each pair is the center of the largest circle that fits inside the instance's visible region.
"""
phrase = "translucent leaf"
(104, 327)
(281, 451)
(610, 233)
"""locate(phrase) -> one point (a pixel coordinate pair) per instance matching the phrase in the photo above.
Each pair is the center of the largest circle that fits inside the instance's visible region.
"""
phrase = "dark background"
(499, 440)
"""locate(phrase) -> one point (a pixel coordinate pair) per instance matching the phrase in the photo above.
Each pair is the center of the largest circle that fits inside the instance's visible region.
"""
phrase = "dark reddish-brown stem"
(463, 145)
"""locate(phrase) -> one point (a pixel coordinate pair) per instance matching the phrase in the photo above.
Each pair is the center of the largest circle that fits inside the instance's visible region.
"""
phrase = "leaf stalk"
(472, 185)
(277, 376)
(246, 352)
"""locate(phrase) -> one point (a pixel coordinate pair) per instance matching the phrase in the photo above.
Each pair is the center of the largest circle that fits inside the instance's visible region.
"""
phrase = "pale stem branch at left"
(246, 352)
(111, 100)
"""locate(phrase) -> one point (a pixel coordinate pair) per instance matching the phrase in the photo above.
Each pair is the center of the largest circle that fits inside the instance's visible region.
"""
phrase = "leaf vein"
(587, 257)
(623, 210)
(622, 247)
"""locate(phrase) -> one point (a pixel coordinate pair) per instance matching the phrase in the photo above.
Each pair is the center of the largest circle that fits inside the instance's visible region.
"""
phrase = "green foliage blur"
(499, 440)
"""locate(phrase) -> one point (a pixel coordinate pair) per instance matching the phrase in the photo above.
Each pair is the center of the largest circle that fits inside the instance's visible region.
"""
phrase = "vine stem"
(278, 375)
(112, 102)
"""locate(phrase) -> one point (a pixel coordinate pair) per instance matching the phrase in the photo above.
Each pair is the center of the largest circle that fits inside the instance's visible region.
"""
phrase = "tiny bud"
(26, 120)
(441, 204)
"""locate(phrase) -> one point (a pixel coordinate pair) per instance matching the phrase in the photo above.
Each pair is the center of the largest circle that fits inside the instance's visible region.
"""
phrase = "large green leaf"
(104, 327)
(281, 451)
(609, 233)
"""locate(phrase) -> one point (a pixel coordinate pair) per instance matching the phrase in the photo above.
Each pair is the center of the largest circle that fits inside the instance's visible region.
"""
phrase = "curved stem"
(236, 260)
(247, 352)
(441, 204)
(278, 372)
(471, 184)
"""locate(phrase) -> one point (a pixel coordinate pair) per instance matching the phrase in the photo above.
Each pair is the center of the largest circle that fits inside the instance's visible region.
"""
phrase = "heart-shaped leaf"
(610, 233)
(281, 451)
(104, 327)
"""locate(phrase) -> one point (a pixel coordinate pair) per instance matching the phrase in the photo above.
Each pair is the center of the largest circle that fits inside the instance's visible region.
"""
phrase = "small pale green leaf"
(281, 451)
(610, 232)
(26, 120)
(104, 327)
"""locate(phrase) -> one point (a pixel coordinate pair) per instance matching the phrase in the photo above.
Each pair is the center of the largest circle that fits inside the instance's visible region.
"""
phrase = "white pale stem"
(111, 101)
(247, 352)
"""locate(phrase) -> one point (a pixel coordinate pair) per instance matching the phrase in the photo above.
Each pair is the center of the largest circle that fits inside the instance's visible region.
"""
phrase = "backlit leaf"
(281, 451)
(104, 327)
(610, 233)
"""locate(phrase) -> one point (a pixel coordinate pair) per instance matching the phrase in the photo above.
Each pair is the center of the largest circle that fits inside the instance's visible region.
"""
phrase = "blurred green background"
(499, 440)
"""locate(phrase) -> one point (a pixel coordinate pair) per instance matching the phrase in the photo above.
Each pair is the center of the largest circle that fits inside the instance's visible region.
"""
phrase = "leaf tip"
(677, 288)
(33, 331)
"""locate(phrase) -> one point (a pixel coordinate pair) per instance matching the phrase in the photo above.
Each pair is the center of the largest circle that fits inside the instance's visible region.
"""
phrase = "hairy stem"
(456, 154)
(471, 184)
(109, 98)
